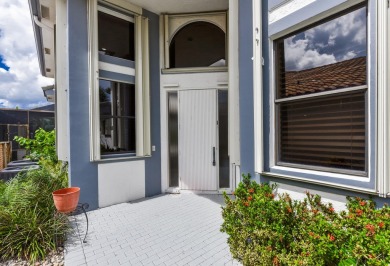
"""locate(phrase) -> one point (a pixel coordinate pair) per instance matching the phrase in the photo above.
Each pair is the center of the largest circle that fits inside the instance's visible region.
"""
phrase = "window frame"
(115, 127)
(278, 101)
(348, 181)
(383, 109)
(219, 19)
(142, 83)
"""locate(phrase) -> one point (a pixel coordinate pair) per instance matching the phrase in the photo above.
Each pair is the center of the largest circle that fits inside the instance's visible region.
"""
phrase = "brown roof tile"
(345, 74)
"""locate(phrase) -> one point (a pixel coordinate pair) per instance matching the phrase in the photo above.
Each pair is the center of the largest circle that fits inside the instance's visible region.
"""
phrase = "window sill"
(318, 174)
(299, 175)
(193, 70)
(120, 157)
(321, 171)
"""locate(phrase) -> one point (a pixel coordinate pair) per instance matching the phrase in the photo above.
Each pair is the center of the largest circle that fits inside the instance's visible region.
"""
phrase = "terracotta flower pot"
(66, 199)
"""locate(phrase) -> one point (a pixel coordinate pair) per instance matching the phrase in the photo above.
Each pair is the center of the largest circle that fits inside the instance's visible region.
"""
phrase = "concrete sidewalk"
(180, 229)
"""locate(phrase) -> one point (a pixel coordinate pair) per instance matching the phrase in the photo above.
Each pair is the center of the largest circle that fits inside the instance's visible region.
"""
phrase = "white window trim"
(258, 87)
(273, 118)
(383, 99)
(142, 86)
(125, 5)
(115, 14)
(62, 78)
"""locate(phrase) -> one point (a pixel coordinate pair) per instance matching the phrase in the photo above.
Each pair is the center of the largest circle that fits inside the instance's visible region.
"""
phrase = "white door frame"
(179, 82)
(217, 80)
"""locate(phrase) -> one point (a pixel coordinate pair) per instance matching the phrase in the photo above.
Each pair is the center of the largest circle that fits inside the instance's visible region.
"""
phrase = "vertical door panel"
(223, 140)
(173, 140)
(197, 138)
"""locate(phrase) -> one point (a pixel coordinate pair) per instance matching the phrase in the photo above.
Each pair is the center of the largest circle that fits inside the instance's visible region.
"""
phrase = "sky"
(20, 78)
(337, 40)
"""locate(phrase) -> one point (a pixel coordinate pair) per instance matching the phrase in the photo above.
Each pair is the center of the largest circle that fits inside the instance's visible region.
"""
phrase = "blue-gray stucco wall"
(153, 164)
(82, 173)
(266, 84)
(245, 28)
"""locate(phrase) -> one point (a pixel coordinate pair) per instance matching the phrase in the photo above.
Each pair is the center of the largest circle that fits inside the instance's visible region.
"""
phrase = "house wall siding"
(246, 87)
(121, 182)
(153, 164)
(82, 173)
(266, 87)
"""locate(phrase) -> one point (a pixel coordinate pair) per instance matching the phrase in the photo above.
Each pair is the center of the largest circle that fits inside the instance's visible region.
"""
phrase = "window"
(195, 42)
(116, 36)
(320, 103)
(198, 44)
(120, 111)
(117, 117)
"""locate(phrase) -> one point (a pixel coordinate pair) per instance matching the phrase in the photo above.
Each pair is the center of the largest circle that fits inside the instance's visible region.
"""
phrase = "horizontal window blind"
(325, 132)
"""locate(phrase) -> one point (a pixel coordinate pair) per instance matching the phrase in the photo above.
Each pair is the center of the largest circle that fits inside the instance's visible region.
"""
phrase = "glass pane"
(3, 133)
(43, 120)
(14, 131)
(116, 36)
(13, 117)
(324, 132)
(199, 44)
(117, 117)
(223, 139)
(326, 57)
(173, 139)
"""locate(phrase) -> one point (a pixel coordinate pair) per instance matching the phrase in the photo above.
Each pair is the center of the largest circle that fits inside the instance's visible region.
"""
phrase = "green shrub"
(264, 230)
(41, 146)
(2, 187)
(30, 228)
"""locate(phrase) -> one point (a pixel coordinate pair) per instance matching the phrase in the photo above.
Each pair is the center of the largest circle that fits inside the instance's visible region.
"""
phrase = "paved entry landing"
(180, 229)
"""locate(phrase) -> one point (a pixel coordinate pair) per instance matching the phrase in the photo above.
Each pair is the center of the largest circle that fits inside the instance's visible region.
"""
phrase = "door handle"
(214, 156)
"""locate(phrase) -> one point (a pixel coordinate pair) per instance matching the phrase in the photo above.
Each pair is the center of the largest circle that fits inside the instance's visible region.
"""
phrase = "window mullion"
(321, 94)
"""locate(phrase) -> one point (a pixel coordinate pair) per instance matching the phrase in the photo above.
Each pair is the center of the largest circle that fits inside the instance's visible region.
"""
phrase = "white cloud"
(299, 57)
(340, 39)
(21, 85)
(349, 55)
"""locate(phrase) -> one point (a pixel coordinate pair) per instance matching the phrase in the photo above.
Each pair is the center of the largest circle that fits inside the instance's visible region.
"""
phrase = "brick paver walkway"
(169, 230)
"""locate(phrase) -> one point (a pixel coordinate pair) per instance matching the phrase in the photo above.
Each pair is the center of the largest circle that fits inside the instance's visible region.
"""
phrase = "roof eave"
(35, 11)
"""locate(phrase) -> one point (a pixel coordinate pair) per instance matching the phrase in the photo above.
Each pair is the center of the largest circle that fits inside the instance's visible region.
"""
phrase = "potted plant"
(66, 199)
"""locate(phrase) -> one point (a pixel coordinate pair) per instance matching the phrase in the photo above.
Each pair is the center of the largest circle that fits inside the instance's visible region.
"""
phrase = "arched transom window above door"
(195, 41)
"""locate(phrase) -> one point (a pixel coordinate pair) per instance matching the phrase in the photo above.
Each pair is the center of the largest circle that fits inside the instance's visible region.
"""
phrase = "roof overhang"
(49, 93)
(181, 6)
(43, 20)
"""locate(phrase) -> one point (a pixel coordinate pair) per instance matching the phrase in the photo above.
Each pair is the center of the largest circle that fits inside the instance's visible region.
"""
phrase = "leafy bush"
(264, 230)
(41, 146)
(29, 226)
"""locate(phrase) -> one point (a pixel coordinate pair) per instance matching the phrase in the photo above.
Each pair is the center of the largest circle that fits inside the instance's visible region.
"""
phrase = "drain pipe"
(41, 24)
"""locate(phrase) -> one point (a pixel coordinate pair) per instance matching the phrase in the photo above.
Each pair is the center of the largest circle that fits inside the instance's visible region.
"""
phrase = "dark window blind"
(326, 132)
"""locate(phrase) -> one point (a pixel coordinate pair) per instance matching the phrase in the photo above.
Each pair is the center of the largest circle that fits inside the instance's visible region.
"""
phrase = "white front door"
(198, 140)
